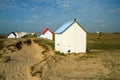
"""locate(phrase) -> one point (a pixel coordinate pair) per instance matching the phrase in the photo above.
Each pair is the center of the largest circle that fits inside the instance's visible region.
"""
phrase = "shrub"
(28, 42)
(59, 53)
(1, 45)
(29, 36)
(88, 50)
(19, 45)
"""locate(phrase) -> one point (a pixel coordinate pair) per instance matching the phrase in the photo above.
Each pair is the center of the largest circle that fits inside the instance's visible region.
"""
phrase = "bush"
(1, 45)
(59, 53)
(88, 50)
(28, 42)
(19, 45)
(29, 36)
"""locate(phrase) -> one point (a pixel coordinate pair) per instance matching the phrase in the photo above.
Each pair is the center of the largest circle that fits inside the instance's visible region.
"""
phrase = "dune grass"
(103, 41)
(45, 42)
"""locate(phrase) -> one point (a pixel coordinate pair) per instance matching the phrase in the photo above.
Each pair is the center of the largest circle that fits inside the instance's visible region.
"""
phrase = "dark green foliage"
(19, 45)
(88, 50)
(2, 78)
(1, 44)
(59, 53)
(29, 36)
(28, 42)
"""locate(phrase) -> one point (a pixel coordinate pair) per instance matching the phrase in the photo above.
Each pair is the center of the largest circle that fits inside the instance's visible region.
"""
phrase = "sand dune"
(34, 62)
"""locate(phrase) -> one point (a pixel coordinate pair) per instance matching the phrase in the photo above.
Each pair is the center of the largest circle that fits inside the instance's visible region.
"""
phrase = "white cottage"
(21, 34)
(47, 33)
(13, 35)
(70, 38)
(17, 34)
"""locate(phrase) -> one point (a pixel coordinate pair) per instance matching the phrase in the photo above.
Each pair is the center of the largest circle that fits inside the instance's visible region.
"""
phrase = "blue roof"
(64, 27)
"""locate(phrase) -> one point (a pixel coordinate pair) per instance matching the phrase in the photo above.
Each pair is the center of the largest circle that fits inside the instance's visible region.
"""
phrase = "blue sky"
(35, 15)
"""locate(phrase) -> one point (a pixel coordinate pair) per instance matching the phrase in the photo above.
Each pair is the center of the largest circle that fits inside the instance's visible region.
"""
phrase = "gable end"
(70, 25)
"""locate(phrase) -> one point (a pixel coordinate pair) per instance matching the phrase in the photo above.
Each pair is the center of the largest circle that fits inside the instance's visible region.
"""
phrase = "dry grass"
(103, 41)
(33, 62)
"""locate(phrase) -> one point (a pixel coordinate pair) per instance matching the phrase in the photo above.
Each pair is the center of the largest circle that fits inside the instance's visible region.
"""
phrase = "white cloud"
(35, 16)
(24, 4)
(102, 25)
(9, 21)
(65, 5)
(29, 21)
(39, 1)
(100, 21)
(35, 7)
(48, 23)
(117, 10)
(6, 6)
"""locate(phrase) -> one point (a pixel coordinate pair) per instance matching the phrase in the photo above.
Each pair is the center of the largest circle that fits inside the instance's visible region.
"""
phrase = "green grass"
(106, 41)
(45, 42)
(103, 41)
(59, 53)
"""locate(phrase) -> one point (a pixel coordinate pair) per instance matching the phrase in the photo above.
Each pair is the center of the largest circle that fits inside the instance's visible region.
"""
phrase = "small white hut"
(70, 38)
(13, 35)
(47, 33)
(21, 34)
(17, 34)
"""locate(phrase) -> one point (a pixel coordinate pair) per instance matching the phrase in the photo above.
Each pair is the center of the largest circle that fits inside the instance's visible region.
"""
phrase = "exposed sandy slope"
(33, 62)
(18, 68)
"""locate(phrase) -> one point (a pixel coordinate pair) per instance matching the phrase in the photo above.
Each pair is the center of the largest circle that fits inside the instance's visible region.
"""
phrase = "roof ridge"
(45, 30)
(64, 26)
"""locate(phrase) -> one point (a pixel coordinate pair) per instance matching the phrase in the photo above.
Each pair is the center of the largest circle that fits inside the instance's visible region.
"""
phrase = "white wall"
(11, 35)
(17, 36)
(73, 39)
(47, 35)
(21, 34)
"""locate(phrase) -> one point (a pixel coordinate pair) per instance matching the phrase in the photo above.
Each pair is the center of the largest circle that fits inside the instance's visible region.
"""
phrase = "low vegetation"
(45, 42)
(3, 36)
(22, 59)
(30, 36)
(103, 41)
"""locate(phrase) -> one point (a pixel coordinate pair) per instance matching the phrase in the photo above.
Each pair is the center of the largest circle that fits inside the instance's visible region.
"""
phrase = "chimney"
(74, 19)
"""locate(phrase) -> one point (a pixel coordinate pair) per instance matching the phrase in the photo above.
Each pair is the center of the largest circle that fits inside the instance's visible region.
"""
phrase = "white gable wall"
(11, 35)
(21, 34)
(47, 35)
(17, 36)
(73, 39)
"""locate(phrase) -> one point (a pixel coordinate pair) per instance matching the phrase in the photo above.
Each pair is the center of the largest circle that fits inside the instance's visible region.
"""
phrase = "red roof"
(45, 30)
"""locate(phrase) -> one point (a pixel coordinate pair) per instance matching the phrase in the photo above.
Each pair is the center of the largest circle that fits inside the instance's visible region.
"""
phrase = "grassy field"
(107, 47)
(103, 41)
(104, 48)
(33, 62)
